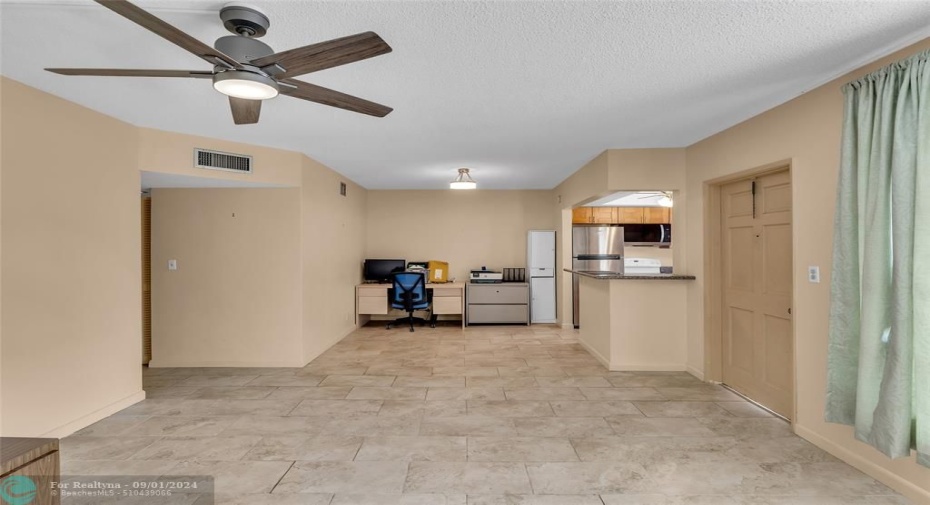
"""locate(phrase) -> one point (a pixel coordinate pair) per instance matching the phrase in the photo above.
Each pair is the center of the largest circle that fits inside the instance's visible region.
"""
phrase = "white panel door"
(541, 248)
(542, 300)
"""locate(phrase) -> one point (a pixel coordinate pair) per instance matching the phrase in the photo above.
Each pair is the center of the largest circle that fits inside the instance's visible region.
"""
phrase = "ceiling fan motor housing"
(244, 20)
(242, 49)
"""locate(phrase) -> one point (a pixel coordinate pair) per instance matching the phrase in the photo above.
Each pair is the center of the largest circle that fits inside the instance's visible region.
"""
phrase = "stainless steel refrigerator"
(594, 249)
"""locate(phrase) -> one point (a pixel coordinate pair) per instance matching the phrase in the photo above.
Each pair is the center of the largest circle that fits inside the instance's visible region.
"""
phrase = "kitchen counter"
(631, 322)
(618, 275)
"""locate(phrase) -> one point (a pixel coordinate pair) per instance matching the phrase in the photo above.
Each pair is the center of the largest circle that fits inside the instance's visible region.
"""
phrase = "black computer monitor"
(381, 270)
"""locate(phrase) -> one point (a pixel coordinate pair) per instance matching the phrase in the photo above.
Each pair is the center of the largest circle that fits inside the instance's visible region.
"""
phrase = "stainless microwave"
(647, 234)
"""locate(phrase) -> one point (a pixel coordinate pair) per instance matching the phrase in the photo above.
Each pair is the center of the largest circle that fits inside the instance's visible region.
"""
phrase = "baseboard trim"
(231, 364)
(85, 421)
(568, 326)
(604, 361)
(883, 475)
(695, 372)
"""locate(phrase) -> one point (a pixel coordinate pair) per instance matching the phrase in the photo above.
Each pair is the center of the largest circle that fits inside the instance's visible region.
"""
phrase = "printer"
(484, 276)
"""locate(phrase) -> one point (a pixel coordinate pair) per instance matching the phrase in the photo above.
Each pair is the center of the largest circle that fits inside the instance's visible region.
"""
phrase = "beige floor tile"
(275, 499)
(374, 477)
(324, 370)
(543, 394)
(399, 499)
(400, 371)
(310, 393)
(474, 371)
(701, 393)
(518, 449)
(531, 499)
(748, 427)
(157, 426)
(465, 394)
(277, 425)
(431, 382)
(102, 447)
(111, 426)
(232, 393)
(509, 408)
(531, 371)
(298, 448)
(653, 381)
(359, 380)
(423, 408)
(594, 408)
(176, 392)
(468, 478)
(622, 394)
(286, 380)
(681, 409)
(412, 448)
(337, 408)
(116, 467)
(468, 426)
(386, 393)
(650, 450)
(236, 477)
(567, 382)
(581, 478)
(660, 427)
(225, 448)
(562, 427)
(744, 409)
(217, 380)
(502, 382)
(373, 426)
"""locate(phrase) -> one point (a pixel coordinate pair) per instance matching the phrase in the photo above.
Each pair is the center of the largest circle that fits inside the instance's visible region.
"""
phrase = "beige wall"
(805, 131)
(168, 152)
(469, 229)
(71, 288)
(333, 236)
(235, 299)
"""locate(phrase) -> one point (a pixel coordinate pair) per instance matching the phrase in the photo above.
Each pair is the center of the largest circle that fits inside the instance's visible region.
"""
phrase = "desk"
(372, 299)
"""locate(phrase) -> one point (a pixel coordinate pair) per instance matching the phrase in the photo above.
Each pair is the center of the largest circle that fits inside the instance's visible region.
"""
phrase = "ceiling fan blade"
(322, 55)
(245, 111)
(168, 32)
(326, 96)
(125, 72)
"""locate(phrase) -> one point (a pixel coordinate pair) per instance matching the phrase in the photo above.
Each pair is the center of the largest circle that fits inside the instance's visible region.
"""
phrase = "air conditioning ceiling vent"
(216, 160)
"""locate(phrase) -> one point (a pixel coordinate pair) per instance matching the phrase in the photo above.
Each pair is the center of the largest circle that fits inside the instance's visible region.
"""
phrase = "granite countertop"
(617, 275)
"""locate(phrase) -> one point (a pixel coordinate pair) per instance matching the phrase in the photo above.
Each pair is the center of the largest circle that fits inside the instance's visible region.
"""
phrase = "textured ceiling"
(523, 93)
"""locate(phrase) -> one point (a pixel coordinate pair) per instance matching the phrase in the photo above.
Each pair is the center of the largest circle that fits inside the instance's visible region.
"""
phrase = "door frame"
(713, 268)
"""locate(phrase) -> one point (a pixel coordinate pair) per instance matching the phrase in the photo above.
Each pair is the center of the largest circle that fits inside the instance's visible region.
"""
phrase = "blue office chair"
(408, 292)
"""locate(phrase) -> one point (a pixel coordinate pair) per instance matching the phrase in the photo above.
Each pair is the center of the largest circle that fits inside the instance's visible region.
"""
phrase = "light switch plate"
(813, 274)
(172, 264)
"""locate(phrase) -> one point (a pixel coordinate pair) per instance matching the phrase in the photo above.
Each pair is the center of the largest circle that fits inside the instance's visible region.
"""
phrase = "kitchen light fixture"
(463, 181)
(245, 84)
(666, 200)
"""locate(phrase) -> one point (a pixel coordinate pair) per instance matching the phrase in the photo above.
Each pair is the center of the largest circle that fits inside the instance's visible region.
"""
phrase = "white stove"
(641, 266)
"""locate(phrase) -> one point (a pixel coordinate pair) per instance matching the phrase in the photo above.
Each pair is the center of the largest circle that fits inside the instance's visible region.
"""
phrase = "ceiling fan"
(248, 70)
(665, 197)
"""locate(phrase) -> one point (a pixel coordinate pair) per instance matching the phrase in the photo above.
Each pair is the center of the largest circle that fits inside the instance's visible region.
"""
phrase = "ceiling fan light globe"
(665, 201)
(247, 85)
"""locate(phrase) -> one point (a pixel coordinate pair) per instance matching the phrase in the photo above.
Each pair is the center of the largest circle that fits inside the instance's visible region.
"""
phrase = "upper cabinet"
(582, 215)
(657, 215)
(621, 215)
(604, 215)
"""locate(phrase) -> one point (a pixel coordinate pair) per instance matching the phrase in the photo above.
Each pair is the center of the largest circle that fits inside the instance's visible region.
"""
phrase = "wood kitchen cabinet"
(582, 215)
(36, 461)
(621, 215)
(657, 215)
(629, 215)
(604, 215)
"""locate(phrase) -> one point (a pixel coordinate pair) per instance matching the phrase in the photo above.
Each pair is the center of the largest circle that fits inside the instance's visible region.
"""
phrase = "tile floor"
(498, 415)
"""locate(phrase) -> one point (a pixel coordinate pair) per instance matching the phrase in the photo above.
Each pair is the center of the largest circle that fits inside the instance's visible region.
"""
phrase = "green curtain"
(878, 371)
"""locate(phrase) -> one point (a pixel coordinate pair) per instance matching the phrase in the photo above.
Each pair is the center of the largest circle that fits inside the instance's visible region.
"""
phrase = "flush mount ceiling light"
(666, 200)
(245, 84)
(463, 181)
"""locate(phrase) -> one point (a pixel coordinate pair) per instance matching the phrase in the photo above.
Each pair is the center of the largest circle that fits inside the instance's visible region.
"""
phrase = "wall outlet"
(813, 274)
(172, 264)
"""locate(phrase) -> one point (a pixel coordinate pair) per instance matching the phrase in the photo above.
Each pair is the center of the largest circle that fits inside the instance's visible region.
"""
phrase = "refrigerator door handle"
(598, 257)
